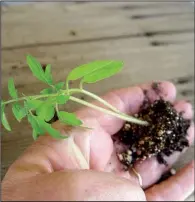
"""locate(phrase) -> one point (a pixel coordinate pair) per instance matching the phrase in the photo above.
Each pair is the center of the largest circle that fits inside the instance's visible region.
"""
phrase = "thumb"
(89, 185)
(82, 185)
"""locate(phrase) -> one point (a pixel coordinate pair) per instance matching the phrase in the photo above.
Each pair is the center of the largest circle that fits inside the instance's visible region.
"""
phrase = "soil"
(165, 134)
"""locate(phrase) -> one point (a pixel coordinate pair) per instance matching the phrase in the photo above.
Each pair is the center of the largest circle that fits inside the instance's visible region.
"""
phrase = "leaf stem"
(57, 110)
(81, 84)
(125, 118)
(67, 86)
(100, 100)
(97, 98)
(115, 112)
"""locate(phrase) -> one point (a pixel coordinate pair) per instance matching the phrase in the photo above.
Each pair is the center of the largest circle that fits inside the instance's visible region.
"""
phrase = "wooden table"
(155, 41)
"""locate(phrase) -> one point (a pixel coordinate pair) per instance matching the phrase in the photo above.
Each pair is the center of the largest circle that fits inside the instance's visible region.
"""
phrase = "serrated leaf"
(5, 122)
(51, 100)
(51, 131)
(4, 119)
(107, 70)
(11, 88)
(69, 118)
(35, 135)
(48, 74)
(33, 104)
(45, 111)
(36, 68)
(2, 106)
(62, 99)
(92, 67)
(47, 91)
(18, 111)
(59, 85)
(36, 125)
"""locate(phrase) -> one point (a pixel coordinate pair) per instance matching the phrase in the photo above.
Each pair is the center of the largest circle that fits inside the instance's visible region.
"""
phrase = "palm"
(102, 151)
(94, 149)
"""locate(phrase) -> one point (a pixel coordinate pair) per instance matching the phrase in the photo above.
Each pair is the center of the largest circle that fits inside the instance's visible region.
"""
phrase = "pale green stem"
(97, 98)
(71, 91)
(116, 113)
(67, 86)
(125, 118)
(81, 84)
(100, 100)
(57, 109)
(41, 96)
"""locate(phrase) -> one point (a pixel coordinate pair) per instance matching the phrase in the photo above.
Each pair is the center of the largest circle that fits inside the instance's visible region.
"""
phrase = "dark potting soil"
(166, 133)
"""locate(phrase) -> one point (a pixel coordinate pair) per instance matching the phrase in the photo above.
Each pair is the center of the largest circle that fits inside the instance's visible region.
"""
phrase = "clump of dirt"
(166, 133)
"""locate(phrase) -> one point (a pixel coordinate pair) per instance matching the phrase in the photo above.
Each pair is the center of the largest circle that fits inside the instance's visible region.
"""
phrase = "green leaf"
(51, 100)
(51, 131)
(57, 86)
(4, 119)
(108, 70)
(62, 99)
(36, 68)
(5, 122)
(18, 111)
(47, 91)
(35, 135)
(69, 118)
(37, 128)
(33, 104)
(93, 67)
(48, 74)
(12, 90)
(46, 111)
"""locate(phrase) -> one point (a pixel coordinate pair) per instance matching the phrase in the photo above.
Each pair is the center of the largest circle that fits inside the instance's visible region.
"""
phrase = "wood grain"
(155, 41)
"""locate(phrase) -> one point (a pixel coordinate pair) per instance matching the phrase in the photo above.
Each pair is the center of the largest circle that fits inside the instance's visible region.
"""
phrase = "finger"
(176, 188)
(185, 108)
(128, 100)
(151, 165)
(156, 90)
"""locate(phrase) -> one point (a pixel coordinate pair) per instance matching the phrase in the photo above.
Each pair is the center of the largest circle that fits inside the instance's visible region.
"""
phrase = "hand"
(85, 167)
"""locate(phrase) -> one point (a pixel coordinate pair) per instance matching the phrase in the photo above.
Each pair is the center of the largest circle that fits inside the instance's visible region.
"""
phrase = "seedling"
(40, 109)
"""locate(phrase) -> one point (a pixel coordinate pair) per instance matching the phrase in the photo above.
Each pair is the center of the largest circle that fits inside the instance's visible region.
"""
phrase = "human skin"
(84, 167)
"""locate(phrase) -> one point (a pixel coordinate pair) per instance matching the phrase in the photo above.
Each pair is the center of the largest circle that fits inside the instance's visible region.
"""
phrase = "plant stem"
(115, 112)
(125, 118)
(71, 91)
(97, 98)
(67, 86)
(41, 96)
(100, 100)
(57, 109)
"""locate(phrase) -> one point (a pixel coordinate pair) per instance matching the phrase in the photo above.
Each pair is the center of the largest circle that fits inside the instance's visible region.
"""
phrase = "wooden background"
(155, 41)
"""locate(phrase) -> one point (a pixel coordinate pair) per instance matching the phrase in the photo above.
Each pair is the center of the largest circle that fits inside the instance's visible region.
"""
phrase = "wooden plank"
(100, 20)
(65, 57)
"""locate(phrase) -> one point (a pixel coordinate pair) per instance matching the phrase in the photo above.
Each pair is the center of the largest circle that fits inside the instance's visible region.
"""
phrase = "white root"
(80, 159)
(138, 176)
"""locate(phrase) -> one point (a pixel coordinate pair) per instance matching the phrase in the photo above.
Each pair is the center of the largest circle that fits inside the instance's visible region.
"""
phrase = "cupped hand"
(85, 167)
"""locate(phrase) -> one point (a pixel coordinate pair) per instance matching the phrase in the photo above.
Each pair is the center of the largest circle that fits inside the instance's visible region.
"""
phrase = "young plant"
(40, 109)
